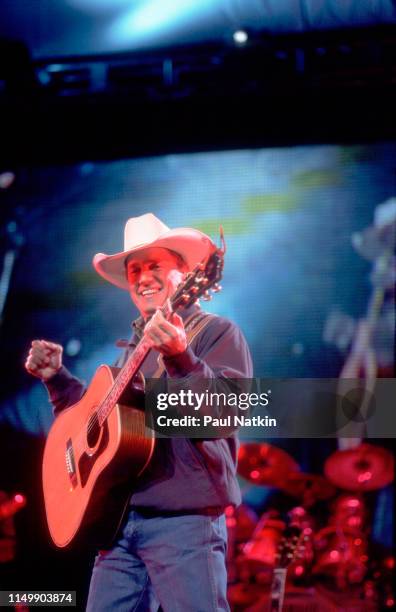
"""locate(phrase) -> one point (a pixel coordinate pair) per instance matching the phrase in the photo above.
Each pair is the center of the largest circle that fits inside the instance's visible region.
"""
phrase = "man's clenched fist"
(44, 359)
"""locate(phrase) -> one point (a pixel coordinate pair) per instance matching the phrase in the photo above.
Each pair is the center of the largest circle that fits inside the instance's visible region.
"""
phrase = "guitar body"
(88, 469)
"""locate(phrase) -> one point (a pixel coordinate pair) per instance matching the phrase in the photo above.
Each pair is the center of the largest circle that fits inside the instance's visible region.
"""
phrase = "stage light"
(6, 179)
(299, 570)
(73, 347)
(389, 563)
(98, 6)
(240, 37)
(353, 503)
(154, 17)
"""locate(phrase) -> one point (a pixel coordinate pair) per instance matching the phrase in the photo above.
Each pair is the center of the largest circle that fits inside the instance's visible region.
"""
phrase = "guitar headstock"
(290, 546)
(203, 280)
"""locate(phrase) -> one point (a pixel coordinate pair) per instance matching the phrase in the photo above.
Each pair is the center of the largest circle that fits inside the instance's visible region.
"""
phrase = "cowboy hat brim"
(191, 244)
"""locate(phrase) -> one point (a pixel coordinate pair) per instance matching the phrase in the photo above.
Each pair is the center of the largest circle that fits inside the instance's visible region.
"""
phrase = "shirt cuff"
(181, 365)
(59, 381)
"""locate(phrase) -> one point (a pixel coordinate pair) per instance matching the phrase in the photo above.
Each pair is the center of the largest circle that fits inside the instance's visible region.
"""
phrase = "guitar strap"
(193, 325)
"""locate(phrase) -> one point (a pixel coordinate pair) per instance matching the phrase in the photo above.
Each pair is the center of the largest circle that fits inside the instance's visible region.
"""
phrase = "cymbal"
(363, 468)
(264, 464)
(308, 487)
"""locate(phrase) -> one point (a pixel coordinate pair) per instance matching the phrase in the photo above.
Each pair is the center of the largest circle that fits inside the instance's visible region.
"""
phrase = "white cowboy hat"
(148, 231)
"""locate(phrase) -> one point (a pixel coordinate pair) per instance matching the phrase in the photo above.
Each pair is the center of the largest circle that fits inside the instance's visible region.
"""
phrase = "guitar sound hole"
(93, 430)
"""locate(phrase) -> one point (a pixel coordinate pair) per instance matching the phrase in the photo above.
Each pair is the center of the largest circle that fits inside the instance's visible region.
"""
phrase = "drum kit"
(332, 551)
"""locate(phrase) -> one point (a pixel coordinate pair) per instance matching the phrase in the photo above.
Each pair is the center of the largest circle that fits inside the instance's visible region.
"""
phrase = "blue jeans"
(177, 562)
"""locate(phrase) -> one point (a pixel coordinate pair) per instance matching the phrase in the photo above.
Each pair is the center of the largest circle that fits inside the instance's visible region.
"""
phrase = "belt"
(153, 512)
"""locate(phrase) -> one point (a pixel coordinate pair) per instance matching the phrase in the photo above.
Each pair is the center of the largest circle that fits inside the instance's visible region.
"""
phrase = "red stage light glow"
(389, 562)
(353, 503)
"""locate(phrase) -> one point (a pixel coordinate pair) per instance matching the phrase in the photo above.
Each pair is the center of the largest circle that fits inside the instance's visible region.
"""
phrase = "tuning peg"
(203, 280)
(206, 296)
(216, 288)
(185, 297)
(194, 289)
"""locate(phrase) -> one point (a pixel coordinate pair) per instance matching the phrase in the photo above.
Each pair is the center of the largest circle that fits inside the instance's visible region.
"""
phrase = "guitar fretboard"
(126, 374)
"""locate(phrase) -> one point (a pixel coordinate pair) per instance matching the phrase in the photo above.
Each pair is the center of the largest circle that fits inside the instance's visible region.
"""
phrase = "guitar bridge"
(70, 463)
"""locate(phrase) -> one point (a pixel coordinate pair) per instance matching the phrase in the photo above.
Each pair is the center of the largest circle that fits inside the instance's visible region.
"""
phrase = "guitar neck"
(278, 589)
(126, 374)
(289, 547)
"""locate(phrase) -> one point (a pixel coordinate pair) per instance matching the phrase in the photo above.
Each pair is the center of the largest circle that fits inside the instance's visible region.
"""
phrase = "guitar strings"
(80, 441)
(140, 347)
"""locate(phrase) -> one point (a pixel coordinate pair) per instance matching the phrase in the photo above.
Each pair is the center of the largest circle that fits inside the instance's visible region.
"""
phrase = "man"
(171, 548)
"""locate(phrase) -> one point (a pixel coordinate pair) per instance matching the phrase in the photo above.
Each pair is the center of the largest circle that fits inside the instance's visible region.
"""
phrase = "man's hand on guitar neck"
(44, 359)
(167, 336)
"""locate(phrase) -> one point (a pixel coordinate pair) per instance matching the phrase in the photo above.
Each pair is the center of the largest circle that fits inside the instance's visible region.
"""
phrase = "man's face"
(153, 275)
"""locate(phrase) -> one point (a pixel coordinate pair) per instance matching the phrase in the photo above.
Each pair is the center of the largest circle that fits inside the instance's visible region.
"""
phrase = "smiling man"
(153, 275)
(170, 549)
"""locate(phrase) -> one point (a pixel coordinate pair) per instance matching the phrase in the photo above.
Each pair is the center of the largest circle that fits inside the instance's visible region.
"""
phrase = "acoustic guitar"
(290, 548)
(97, 448)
